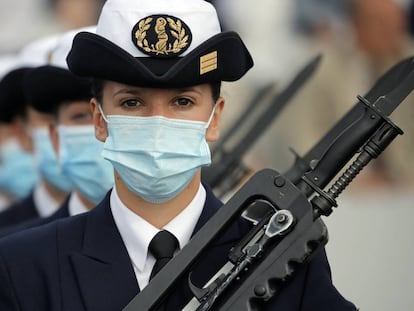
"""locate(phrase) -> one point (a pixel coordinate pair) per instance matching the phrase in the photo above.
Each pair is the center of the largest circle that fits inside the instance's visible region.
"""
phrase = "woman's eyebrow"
(137, 91)
(188, 89)
(127, 91)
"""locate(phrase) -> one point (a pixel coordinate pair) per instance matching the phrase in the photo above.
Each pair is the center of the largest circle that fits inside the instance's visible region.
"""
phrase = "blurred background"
(371, 232)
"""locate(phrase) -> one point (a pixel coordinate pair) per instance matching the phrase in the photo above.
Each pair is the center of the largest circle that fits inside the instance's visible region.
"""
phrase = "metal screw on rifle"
(260, 290)
(279, 181)
(281, 218)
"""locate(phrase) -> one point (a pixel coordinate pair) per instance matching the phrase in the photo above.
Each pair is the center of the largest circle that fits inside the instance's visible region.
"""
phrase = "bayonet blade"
(405, 84)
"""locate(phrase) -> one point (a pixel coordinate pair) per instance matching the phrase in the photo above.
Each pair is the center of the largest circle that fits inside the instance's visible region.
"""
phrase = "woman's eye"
(183, 102)
(130, 103)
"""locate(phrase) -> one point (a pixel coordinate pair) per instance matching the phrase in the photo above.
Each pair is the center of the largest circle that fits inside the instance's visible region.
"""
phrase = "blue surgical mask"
(18, 174)
(155, 156)
(80, 156)
(47, 162)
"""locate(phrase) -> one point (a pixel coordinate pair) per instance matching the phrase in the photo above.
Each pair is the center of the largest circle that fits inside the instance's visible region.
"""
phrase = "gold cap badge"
(161, 36)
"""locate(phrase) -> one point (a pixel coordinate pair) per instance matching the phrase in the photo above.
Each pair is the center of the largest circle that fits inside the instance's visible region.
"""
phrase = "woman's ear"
(101, 130)
(213, 131)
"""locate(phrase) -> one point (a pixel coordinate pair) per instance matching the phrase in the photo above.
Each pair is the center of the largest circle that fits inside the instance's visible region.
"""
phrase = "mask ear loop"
(102, 113)
(211, 117)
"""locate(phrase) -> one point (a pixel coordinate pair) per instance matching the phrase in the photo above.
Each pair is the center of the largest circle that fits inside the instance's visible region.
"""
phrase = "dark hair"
(98, 85)
(97, 89)
(215, 90)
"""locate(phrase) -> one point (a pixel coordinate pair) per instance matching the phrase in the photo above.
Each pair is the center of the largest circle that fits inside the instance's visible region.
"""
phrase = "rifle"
(286, 209)
(227, 169)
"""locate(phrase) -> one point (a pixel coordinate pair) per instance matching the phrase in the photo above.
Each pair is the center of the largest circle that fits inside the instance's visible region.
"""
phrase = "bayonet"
(349, 134)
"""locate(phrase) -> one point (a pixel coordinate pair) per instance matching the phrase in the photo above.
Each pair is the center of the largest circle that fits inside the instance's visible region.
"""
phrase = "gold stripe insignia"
(208, 62)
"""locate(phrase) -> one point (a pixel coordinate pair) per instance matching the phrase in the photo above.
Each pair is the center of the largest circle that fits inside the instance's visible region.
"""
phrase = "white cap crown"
(64, 44)
(119, 17)
(38, 52)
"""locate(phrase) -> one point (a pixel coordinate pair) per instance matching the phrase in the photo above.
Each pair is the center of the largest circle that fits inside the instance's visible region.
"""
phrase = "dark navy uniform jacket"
(61, 212)
(81, 263)
(18, 212)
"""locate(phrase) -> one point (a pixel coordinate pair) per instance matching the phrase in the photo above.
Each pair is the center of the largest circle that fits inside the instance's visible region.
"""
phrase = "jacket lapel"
(215, 256)
(103, 269)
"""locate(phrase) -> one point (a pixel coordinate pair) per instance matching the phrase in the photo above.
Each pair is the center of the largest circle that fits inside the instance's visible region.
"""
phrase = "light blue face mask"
(80, 156)
(47, 162)
(155, 156)
(18, 174)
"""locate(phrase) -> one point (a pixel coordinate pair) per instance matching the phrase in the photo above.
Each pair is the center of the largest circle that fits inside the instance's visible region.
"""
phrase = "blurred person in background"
(32, 133)
(52, 89)
(7, 62)
(73, 14)
(17, 171)
(359, 40)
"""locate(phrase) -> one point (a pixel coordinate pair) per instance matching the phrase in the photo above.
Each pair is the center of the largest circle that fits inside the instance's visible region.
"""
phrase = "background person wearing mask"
(54, 90)
(7, 62)
(18, 173)
(32, 132)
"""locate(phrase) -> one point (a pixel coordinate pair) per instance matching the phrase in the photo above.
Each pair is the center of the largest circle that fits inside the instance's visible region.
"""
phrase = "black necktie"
(162, 247)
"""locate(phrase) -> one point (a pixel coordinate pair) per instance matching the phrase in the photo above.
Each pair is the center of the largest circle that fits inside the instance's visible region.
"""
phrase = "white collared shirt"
(75, 205)
(45, 204)
(137, 233)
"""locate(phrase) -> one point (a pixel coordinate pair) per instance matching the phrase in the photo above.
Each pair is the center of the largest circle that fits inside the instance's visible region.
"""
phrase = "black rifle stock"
(291, 232)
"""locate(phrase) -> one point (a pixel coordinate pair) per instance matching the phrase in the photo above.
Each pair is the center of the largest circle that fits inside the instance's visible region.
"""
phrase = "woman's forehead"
(119, 88)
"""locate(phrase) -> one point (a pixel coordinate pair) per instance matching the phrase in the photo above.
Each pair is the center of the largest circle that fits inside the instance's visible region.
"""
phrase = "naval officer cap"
(163, 43)
(48, 86)
(13, 101)
(37, 52)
